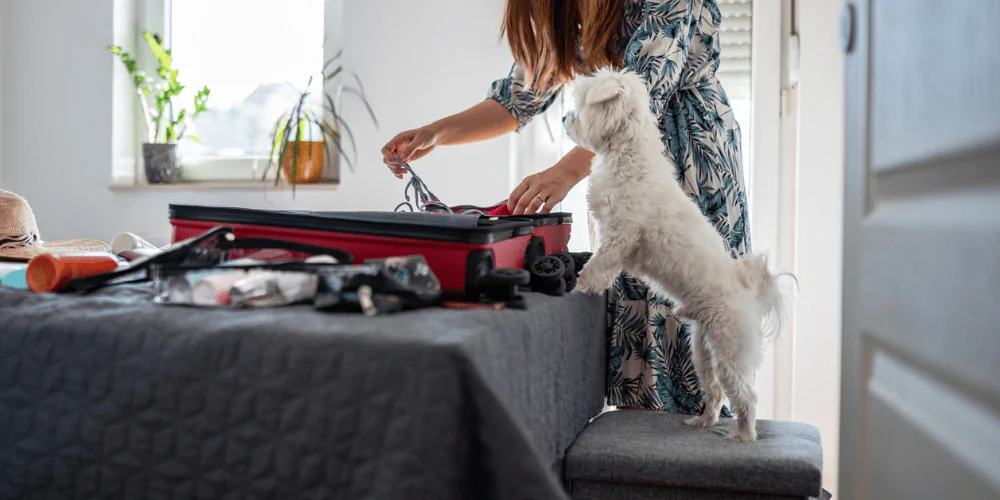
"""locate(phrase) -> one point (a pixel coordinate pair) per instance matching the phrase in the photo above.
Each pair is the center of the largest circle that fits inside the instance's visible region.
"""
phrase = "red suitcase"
(553, 228)
(460, 249)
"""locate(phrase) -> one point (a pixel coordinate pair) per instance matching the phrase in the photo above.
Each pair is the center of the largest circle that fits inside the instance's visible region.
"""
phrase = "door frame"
(855, 366)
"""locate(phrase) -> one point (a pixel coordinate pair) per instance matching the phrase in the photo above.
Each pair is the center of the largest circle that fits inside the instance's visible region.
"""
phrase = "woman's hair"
(546, 35)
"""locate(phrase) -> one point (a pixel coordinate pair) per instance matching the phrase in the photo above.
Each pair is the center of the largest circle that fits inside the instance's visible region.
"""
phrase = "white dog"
(648, 226)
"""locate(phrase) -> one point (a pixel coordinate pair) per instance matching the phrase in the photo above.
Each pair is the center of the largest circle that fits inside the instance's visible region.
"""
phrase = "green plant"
(304, 119)
(162, 125)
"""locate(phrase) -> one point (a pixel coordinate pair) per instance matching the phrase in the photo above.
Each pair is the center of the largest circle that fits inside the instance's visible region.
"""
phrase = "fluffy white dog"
(648, 226)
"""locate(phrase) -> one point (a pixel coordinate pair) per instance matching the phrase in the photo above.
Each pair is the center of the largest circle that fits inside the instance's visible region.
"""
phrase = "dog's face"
(610, 107)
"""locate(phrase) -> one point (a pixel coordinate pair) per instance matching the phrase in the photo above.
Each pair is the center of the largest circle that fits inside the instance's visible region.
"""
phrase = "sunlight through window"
(255, 56)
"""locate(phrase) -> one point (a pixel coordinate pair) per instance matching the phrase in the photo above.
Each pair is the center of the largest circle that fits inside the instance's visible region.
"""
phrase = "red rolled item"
(500, 211)
(48, 273)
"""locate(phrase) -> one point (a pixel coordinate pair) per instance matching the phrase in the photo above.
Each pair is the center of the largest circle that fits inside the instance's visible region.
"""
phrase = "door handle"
(847, 21)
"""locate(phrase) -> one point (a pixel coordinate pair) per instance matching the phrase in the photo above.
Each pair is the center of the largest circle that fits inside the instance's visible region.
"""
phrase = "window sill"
(223, 186)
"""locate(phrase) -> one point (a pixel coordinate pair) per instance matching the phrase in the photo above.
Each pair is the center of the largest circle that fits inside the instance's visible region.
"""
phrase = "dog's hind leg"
(704, 366)
(735, 374)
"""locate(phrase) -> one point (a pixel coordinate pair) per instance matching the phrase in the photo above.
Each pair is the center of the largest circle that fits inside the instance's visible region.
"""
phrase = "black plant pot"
(160, 162)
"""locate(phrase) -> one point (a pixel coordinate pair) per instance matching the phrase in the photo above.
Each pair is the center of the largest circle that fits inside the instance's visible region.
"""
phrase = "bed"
(111, 396)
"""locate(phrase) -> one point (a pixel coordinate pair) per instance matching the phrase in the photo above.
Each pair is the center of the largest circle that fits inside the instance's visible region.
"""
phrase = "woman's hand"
(486, 120)
(539, 193)
(410, 145)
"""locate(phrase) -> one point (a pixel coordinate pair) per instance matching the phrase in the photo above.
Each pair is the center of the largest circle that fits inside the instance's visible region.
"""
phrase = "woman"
(674, 46)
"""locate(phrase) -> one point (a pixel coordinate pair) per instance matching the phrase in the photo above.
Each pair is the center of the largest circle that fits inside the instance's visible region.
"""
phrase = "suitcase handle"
(342, 256)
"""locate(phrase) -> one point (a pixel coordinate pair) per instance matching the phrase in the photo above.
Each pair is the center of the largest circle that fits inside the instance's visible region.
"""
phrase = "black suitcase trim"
(487, 232)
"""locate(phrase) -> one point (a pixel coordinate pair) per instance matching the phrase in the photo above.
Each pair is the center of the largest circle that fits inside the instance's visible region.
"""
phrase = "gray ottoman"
(645, 455)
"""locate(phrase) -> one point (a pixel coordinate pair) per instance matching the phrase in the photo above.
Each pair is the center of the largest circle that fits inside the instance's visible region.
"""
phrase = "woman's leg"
(650, 363)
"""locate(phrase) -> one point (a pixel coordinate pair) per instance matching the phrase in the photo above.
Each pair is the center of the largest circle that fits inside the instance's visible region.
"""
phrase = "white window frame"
(765, 192)
(153, 16)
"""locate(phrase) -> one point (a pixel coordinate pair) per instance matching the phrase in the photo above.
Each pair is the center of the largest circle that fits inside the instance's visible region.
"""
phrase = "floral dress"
(674, 45)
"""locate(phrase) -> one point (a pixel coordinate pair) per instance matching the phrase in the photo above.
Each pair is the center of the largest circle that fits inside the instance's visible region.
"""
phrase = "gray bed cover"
(113, 397)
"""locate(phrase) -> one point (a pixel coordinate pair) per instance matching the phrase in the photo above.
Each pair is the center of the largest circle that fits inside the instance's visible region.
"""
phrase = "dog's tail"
(770, 297)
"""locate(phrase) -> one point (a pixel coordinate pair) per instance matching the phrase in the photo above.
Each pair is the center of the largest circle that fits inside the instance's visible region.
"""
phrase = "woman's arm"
(484, 121)
(539, 193)
(510, 106)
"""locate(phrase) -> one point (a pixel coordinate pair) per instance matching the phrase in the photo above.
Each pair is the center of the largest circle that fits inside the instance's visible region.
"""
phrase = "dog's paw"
(589, 284)
(701, 421)
(738, 436)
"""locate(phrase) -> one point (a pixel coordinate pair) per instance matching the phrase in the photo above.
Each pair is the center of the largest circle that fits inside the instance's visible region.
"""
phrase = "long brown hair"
(545, 36)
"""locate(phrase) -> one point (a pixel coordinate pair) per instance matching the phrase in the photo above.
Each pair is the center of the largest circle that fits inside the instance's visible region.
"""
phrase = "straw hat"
(19, 238)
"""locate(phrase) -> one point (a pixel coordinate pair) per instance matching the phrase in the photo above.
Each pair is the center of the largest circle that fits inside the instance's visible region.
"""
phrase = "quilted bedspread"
(112, 397)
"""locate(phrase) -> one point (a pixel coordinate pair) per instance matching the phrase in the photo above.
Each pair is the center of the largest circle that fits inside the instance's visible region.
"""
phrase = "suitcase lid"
(414, 225)
(549, 219)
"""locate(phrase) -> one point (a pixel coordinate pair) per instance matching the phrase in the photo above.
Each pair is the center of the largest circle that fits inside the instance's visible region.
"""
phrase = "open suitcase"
(460, 249)
(553, 228)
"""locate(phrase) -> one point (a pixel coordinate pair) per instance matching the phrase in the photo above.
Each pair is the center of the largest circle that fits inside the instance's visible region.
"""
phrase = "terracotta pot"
(309, 168)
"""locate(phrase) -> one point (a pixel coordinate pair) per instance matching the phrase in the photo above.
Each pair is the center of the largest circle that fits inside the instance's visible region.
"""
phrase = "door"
(921, 342)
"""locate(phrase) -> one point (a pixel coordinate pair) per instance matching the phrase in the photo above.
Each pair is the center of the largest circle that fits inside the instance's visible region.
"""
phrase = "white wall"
(3, 44)
(421, 61)
(417, 63)
(818, 229)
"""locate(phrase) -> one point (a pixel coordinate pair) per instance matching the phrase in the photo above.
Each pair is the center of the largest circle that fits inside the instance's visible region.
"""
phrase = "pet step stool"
(645, 455)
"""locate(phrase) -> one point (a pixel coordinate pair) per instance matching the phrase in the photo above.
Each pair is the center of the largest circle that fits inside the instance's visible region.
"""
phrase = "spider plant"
(316, 115)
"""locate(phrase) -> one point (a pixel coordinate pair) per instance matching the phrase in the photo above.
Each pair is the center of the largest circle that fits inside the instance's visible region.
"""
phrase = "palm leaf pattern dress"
(674, 45)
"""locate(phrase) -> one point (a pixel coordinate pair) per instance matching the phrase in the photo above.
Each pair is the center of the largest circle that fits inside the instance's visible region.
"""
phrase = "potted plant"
(304, 136)
(164, 128)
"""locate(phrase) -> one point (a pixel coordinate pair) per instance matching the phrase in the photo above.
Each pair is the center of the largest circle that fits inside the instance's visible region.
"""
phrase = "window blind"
(734, 38)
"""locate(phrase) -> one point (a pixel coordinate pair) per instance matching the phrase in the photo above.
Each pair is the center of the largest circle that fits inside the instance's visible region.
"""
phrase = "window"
(256, 56)
(735, 36)
(576, 200)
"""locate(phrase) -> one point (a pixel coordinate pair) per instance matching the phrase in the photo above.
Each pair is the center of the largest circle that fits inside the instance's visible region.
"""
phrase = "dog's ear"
(605, 90)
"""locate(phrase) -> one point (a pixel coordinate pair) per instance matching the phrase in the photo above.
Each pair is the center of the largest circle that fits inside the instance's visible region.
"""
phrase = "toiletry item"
(297, 287)
(128, 241)
(178, 290)
(242, 262)
(274, 288)
(139, 253)
(257, 289)
(131, 247)
(48, 273)
(322, 259)
(213, 289)
(15, 279)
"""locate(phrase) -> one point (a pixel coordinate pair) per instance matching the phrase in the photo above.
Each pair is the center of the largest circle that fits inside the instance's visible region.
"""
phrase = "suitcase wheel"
(503, 284)
(559, 290)
(571, 283)
(570, 273)
(507, 277)
(548, 275)
(535, 250)
(568, 262)
(580, 260)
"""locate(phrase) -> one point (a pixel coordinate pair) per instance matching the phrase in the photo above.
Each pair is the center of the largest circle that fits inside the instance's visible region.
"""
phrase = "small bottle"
(128, 241)
(48, 273)
(131, 247)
